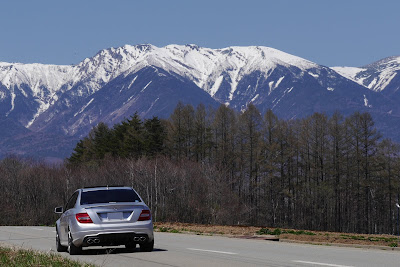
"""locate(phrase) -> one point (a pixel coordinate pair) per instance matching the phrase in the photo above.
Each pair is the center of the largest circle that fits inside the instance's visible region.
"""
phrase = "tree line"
(205, 165)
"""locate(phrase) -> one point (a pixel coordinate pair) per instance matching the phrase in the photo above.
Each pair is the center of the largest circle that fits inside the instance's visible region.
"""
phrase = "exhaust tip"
(136, 238)
(89, 241)
(142, 238)
(96, 241)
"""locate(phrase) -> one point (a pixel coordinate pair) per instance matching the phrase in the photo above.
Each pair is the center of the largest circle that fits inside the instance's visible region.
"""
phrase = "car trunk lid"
(114, 212)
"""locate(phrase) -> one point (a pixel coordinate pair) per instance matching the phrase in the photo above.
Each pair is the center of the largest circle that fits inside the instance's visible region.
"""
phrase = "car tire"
(60, 248)
(72, 249)
(147, 247)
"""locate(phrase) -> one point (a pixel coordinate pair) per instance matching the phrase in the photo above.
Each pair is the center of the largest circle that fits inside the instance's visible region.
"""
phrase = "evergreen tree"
(117, 139)
(77, 154)
(133, 138)
(101, 140)
(154, 137)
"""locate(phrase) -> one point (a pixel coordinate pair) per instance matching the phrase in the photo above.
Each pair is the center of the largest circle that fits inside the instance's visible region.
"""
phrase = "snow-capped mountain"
(27, 90)
(39, 102)
(218, 72)
(381, 76)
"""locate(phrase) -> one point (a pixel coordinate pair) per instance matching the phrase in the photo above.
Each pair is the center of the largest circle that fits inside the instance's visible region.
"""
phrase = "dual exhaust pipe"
(91, 241)
(139, 238)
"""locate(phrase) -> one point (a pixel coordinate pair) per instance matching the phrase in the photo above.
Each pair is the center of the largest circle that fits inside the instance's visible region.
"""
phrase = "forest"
(219, 166)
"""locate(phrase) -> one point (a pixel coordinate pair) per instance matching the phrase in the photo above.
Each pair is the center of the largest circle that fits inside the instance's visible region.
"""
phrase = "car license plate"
(115, 216)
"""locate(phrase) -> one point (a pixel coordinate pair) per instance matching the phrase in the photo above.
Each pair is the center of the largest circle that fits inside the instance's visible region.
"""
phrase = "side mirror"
(59, 210)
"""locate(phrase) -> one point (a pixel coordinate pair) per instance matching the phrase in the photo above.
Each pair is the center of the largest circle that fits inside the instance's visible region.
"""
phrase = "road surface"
(197, 250)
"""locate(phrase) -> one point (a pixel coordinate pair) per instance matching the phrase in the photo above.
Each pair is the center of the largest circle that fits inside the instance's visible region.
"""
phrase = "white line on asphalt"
(36, 229)
(322, 264)
(213, 251)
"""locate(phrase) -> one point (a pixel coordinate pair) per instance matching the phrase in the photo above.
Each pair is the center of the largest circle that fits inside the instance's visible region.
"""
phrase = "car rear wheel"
(73, 250)
(147, 247)
(60, 248)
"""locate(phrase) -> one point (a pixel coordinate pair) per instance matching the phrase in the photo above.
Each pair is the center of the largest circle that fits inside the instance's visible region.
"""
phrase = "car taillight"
(83, 218)
(145, 215)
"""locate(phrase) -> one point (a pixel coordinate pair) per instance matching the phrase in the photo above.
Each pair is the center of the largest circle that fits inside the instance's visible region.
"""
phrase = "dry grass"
(287, 234)
(22, 258)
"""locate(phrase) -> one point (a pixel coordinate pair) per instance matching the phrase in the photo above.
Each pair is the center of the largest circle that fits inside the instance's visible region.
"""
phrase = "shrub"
(263, 231)
(276, 231)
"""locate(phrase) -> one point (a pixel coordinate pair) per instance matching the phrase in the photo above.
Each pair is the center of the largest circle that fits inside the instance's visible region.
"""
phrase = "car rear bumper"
(115, 239)
(101, 235)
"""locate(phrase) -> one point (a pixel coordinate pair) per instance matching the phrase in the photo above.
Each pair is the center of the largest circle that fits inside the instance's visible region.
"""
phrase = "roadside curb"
(341, 245)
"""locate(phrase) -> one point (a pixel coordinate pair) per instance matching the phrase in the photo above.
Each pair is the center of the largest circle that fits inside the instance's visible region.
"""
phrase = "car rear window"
(109, 196)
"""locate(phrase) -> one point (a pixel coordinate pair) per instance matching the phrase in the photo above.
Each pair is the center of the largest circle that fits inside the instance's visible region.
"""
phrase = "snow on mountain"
(34, 82)
(204, 66)
(376, 76)
(66, 101)
(207, 68)
(36, 76)
(349, 72)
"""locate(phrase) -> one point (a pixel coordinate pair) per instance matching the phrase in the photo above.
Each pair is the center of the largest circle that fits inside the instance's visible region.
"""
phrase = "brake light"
(145, 215)
(83, 218)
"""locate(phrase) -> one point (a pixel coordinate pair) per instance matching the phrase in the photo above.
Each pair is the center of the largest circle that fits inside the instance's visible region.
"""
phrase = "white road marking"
(36, 229)
(322, 264)
(212, 251)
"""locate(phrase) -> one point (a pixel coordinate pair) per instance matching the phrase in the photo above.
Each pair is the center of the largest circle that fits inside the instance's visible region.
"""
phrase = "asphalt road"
(196, 250)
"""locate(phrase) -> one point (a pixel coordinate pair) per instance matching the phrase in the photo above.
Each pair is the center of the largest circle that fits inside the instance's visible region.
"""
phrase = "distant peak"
(193, 46)
(145, 47)
(126, 48)
(383, 63)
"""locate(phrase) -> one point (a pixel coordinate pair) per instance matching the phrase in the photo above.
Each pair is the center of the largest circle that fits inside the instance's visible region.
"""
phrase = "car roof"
(95, 188)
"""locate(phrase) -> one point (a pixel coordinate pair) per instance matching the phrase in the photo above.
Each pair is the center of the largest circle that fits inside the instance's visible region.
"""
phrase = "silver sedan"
(104, 216)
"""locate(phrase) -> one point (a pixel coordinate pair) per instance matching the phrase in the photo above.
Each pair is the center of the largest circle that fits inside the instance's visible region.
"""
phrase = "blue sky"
(328, 32)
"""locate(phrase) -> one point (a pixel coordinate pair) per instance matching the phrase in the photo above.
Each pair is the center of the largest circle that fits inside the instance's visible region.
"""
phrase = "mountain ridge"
(68, 100)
